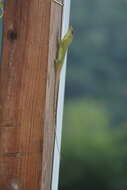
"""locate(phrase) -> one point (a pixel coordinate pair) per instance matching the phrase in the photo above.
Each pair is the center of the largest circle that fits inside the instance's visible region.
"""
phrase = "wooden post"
(27, 130)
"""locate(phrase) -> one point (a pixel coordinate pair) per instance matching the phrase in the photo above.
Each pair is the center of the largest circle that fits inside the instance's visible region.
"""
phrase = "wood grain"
(49, 125)
(31, 31)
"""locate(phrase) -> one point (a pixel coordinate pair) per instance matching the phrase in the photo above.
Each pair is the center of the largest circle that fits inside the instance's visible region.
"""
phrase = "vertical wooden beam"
(27, 130)
(49, 125)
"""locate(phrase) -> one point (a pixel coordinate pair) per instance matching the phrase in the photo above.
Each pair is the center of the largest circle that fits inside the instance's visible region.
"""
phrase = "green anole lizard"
(63, 46)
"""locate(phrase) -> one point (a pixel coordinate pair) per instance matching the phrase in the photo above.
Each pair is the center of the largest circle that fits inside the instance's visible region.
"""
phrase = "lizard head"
(68, 38)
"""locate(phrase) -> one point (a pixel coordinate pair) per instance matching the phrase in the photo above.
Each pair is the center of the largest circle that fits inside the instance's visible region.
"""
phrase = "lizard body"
(63, 46)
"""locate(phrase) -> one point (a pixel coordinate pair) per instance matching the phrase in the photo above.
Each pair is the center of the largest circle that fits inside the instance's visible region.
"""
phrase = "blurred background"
(94, 143)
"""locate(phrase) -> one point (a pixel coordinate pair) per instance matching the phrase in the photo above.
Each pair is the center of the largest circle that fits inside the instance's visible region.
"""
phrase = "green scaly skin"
(63, 46)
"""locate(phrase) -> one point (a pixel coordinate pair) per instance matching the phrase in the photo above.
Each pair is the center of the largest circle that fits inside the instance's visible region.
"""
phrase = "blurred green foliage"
(94, 148)
(98, 58)
(93, 154)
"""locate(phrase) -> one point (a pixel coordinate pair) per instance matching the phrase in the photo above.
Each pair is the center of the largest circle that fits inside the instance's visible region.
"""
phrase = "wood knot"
(12, 35)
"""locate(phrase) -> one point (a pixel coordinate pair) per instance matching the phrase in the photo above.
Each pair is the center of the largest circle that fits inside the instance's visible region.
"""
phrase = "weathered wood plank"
(49, 127)
(31, 30)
